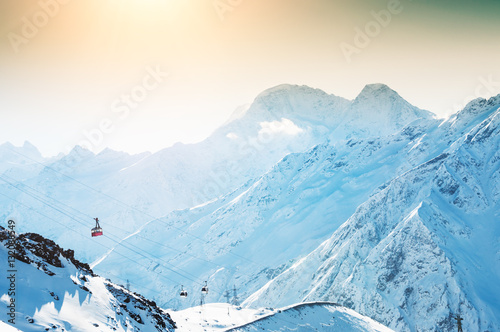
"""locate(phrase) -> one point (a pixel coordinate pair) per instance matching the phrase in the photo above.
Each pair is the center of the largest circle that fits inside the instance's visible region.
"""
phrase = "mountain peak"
(7, 145)
(480, 105)
(81, 150)
(27, 151)
(28, 145)
(297, 103)
(33, 150)
(376, 90)
(476, 110)
(77, 155)
(289, 89)
(380, 111)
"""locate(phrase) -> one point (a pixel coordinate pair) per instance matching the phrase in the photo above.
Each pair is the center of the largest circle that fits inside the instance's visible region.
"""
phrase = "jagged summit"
(23, 157)
(378, 111)
(7, 145)
(27, 148)
(28, 145)
(377, 89)
(479, 106)
(81, 151)
(378, 86)
(288, 89)
(473, 113)
(296, 101)
(378, 93)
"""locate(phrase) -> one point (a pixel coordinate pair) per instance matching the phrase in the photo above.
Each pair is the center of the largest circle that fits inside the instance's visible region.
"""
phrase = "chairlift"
(97, 230)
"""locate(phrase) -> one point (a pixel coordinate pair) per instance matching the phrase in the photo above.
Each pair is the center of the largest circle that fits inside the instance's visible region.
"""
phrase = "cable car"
(183, 292)
(204, 289)
(97, 230)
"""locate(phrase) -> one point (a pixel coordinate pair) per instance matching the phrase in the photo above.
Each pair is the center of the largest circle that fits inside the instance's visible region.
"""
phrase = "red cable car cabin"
(97, 230)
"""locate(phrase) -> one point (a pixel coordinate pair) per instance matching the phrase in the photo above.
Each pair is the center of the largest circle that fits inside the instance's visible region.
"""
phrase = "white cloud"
(285, 126)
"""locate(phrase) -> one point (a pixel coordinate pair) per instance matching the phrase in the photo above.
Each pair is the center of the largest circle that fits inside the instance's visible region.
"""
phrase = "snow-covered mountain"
(373, 203)
(258, 235)
(306, 193)
(424, 247)
(50, 290)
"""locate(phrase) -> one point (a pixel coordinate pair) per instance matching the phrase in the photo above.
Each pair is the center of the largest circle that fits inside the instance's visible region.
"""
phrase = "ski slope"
(313, 316)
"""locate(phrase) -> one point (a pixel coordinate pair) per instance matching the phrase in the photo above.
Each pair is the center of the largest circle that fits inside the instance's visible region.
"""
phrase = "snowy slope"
(319, 316)
(52, 290)
(216, 317)
(7, 327)
(425, 247)
(314, 316)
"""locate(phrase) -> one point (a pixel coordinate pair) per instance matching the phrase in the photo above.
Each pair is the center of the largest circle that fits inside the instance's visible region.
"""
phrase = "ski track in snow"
(98, 261)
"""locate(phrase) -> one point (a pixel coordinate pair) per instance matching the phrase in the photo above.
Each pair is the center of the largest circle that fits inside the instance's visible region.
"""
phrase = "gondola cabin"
(204, 289)
(97, 230)
(183, 292)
